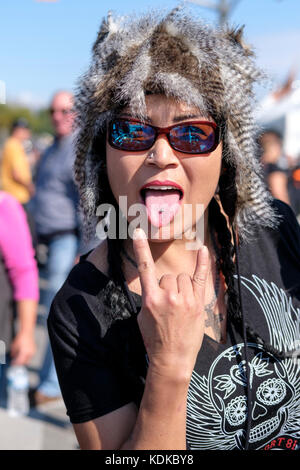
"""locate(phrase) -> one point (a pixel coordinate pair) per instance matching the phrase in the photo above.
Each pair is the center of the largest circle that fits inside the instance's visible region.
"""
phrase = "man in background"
(55, 211)
(274, 164)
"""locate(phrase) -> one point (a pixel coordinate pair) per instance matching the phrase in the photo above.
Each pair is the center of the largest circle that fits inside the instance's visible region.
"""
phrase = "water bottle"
(17, 391)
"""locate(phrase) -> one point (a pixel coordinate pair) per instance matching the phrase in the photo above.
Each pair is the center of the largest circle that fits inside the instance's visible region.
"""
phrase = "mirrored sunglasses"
(192, 137)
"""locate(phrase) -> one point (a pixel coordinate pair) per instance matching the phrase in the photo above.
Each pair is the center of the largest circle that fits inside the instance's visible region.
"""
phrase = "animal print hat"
(177, 55)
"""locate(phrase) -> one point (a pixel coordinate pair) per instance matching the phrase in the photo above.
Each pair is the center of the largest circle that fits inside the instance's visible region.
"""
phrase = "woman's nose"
(161, 154)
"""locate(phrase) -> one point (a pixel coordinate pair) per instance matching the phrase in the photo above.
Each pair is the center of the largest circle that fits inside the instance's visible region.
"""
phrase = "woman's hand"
(171, 319)
(23, 348)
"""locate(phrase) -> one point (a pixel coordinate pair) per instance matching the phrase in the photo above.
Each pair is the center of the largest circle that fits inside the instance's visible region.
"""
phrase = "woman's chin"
(175, 231)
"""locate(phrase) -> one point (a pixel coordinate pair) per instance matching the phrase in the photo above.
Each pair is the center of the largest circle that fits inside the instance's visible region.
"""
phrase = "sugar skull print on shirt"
(217, 403)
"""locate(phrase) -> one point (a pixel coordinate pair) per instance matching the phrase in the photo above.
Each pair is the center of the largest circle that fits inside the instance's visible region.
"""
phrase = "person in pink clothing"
(19, 292)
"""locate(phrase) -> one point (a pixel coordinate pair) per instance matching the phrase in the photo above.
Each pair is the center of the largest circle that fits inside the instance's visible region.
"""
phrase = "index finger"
(145, 263)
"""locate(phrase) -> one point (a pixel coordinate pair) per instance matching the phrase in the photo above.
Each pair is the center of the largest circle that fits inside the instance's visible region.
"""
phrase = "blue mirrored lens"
(127, 135)
(193, 138)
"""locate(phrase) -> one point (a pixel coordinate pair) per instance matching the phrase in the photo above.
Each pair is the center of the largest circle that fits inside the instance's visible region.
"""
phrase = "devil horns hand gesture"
(171, 319)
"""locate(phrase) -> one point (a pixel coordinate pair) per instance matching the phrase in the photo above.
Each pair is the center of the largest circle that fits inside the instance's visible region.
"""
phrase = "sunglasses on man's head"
(192, 137)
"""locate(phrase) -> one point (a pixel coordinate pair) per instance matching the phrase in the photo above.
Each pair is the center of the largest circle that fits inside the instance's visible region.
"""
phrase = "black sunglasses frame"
(165, 131)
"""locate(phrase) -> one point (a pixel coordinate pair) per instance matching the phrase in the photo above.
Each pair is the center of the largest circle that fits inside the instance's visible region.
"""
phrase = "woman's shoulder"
(277, 247)
(288, 225)
(285, 221)
(90, 295)
(87, 278)
(282, 208)
(282, 241)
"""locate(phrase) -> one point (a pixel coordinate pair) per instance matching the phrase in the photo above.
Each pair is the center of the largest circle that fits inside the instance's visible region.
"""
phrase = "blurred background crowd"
(40, 236)
(40, 223)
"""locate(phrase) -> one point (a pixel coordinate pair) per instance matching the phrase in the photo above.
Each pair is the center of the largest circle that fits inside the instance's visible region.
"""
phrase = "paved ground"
(47, 427)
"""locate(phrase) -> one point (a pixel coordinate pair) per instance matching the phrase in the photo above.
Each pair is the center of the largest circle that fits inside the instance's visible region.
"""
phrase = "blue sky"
(45, 45)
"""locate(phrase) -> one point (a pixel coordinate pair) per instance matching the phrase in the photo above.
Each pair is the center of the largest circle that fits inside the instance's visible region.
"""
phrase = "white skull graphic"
(269, 407)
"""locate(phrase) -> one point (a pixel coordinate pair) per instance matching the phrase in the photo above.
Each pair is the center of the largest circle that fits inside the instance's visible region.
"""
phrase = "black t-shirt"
(270, 168)
(102, 363)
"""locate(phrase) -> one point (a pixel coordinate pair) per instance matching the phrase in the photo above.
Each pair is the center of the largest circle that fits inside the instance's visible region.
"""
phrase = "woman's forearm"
(26, 315)
(171, 322)
(161, 421)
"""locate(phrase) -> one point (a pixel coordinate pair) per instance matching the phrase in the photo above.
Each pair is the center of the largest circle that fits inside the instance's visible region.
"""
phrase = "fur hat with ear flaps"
(180, 57)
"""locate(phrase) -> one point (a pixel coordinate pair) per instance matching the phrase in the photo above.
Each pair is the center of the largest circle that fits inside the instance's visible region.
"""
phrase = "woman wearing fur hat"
(159, 345)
